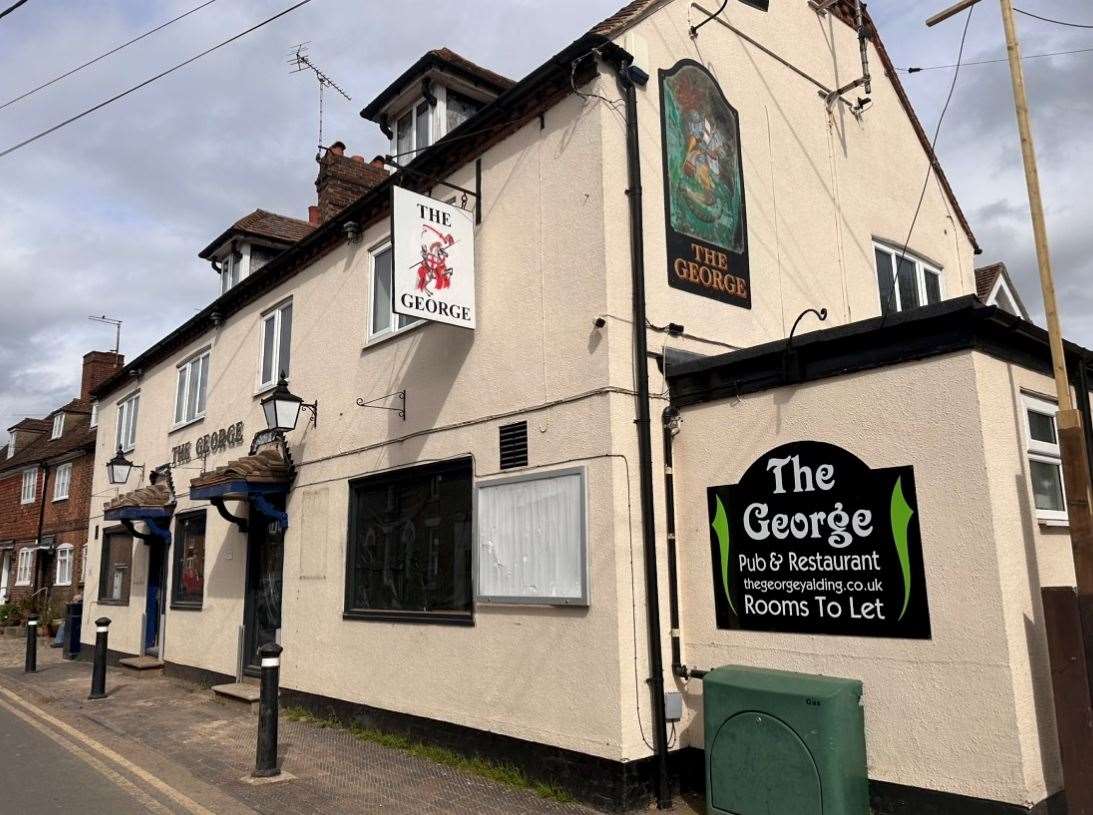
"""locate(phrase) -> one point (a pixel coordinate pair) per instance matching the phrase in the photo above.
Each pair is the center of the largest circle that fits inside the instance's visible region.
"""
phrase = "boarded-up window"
(531, 540)
(313, 526)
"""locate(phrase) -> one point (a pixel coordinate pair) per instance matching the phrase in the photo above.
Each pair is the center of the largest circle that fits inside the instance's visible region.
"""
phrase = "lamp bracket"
(371, 403)
(313, 409)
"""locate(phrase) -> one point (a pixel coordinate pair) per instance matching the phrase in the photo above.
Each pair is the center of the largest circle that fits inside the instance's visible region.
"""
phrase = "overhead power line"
(11, 8)
(149, 81)
(1049, 20)
(104, 56)
(915, 69)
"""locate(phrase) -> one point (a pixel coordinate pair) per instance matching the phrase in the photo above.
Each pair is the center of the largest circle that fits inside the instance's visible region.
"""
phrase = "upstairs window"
(61, 480)
(1045, 463)
(905, 281)
(413, 132)
(230, 268)
(193, 381)
(58, 426)
(126, 430)
(30, 485)
(384, 320)
(276, 346)
(11, 445)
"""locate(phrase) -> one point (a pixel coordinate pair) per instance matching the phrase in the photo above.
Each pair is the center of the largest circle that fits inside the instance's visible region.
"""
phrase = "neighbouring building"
(45, 497)
(461, 536)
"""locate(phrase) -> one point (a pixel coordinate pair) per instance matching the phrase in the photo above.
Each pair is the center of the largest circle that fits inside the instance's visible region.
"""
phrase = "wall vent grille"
(514, 445)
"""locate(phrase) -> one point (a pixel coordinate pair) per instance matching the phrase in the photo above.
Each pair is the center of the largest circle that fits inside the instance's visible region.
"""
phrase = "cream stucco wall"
(968, 711)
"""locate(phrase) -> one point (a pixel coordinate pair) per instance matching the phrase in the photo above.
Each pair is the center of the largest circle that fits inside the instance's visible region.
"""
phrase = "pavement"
(158, 744)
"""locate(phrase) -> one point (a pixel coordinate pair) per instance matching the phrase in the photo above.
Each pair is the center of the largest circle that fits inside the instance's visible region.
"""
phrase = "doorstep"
(238, 693)
(143, 667)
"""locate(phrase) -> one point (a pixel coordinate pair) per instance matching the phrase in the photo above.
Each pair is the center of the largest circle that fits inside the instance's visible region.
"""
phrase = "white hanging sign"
(433, 258)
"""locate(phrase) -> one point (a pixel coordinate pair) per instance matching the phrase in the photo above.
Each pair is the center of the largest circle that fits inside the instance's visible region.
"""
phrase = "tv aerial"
(302, 62)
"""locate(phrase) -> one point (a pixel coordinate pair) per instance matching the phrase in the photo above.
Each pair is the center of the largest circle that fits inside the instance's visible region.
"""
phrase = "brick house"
(45, 495)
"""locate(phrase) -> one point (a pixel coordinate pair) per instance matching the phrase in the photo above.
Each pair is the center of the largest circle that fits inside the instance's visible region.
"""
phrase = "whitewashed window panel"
(531, 540)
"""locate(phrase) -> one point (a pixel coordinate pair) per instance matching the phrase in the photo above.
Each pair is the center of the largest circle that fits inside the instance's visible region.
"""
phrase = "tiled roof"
(154, 496)
(262, 224)
(35, 425)
(987, 276)
(77, 436)
(461, 62)
(264, 467)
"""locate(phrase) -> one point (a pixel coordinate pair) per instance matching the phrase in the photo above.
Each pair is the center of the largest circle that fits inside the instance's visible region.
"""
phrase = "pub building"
(409, 441)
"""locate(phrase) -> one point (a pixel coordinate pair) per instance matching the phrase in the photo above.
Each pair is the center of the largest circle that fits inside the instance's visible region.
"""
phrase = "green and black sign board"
(813, 541)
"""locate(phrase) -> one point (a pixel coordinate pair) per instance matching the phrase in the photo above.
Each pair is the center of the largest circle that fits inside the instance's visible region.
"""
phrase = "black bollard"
(266, 764)
(31, 663)
(98, 670)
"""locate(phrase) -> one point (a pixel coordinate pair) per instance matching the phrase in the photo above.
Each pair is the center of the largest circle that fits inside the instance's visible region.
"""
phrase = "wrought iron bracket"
(371, 403)
(791, 364)
(240, 522)
(431, 180)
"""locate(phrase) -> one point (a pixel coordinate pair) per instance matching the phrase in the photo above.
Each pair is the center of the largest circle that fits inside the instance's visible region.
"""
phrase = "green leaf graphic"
(721, 527)
(901, 522)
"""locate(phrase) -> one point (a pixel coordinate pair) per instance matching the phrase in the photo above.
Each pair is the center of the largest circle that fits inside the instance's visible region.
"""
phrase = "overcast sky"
(107, 215)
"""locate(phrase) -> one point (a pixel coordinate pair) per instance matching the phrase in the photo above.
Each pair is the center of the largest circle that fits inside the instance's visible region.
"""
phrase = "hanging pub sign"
(703, 187)
(433, 259)
(813, 541)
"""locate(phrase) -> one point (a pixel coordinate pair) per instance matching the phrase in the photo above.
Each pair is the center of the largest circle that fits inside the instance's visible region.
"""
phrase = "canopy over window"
(154, 505)
(253, 478)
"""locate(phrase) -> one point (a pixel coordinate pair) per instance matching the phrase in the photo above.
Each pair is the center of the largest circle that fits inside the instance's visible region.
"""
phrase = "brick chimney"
(98, 366)
(342, 180)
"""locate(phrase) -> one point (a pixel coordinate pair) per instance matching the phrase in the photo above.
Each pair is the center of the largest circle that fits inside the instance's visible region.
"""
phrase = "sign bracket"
(371, 403)
(433, 180)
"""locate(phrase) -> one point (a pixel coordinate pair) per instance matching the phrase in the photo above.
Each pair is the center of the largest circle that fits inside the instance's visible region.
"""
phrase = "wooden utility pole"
(1068, 615)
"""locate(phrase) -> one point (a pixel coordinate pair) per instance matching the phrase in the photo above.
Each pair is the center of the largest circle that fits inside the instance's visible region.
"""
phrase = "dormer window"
(58, 426)
(230, 268)
(460, 109)
(412, 131)
(11, 444)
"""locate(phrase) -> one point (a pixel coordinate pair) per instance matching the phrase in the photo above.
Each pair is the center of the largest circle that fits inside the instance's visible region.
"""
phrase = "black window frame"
(104, 559)
(462, 618)
(177, 552)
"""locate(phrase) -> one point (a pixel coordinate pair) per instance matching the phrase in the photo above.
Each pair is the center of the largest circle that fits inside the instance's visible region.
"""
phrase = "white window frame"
(94, 415)
(65, 549)
(62, 482)
(231, 270)
(394, 328)
(187, 369)
(1045, 452)
(125, 429)
(30, 485)
(276, 315)
(58, 426)
(11, 444)
(83, 563)
(922, 268)
(24, 566)
(412, 110)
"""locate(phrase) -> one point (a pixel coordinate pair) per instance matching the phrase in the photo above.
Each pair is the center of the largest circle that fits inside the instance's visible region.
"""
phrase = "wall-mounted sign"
(434, 259)
(703, 187)
(813, 541)
(209, 444)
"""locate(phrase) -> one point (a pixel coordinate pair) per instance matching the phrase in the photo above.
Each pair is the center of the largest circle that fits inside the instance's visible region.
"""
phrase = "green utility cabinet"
(781, 743)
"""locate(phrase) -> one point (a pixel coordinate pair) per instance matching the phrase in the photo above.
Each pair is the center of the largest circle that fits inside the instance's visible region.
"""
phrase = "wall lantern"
(282, 408)
(119, 467)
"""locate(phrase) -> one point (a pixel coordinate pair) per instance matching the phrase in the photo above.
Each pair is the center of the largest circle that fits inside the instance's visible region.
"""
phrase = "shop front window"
(117, 563)
(410, 544)
(189, 561)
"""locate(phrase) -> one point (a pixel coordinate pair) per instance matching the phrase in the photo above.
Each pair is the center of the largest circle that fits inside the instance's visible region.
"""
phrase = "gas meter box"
(781, 743)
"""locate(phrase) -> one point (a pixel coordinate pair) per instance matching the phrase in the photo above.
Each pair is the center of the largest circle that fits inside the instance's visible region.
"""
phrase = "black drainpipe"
(630, 77)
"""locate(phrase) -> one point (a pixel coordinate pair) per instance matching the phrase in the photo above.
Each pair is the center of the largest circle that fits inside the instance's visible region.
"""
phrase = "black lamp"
(118, 468)
(282, 408)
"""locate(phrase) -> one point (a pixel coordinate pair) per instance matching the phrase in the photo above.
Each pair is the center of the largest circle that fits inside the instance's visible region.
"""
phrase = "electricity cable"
(888, 307)
(104, 56)
(12, 8)
(150, 80)
(915, 69)
(1049, 20)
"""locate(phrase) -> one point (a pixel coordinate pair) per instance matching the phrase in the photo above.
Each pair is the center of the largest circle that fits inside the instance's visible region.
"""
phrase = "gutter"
(630, 78)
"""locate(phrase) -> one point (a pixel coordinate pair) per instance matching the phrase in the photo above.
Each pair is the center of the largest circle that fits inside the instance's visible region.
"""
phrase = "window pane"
(1047, 485)
(381, 292)
(885, 282)
(908, 288)
(195, 385)
(180, 393)
(189, 559)
(203, 384)
(423, 112)
(134, 406)
(933, 288)
(269, 336)
(284, 352)
(404, 131)
(120, 425)
(1042, 427)
(411, 540)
